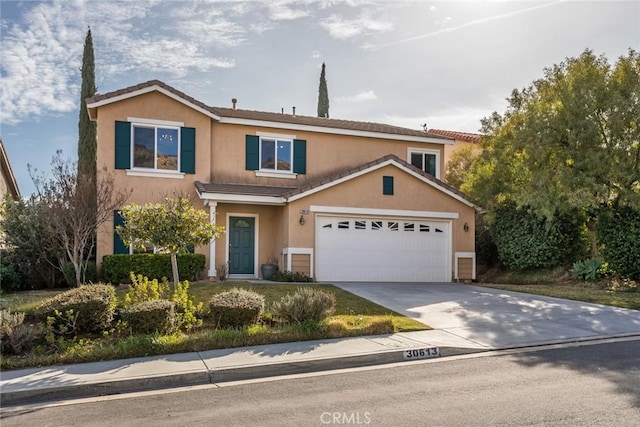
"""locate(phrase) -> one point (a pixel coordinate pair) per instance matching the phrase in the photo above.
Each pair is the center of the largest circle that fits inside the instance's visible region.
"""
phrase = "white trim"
(256, 240)
(335, 131)
(152, 89)
(148, 124)
(466, 255)
(383, 212)
(155, 173)
(299, 251)
(212, 244)
(275, 140)
(276, 135)
(155, 122)
(276, 174)
(425, 151)
(379, 166)
(241, 198)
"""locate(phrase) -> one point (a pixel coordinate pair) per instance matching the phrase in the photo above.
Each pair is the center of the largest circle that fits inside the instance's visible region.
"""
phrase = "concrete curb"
(210, 376)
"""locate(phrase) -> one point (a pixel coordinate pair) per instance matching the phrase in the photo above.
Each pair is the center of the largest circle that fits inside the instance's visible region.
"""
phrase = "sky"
(446, 64)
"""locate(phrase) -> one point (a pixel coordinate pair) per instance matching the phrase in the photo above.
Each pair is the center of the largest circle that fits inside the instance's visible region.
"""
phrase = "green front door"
(241, 245)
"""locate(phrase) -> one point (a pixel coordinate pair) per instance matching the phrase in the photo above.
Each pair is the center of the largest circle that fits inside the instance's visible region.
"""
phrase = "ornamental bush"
(94, 306)
(618, 233)
(525, 240)
(588, 270)
(236, 308)
(142, 289)
(290, 276)
(150, 316)
(117, 268)
(15, 336)
(306, 304)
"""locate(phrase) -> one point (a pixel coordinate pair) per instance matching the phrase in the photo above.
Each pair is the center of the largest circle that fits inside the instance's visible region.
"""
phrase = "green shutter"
(123, 145)
(118, 245)
(188, 150)
(299, 156)
(252, 152)
(387, 185)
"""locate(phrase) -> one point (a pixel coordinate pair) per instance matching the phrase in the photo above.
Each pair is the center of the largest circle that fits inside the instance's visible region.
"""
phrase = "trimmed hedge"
(305, 305)
(236, 308)
(150, 316)
(93, 304)
(526, 240)
(117, 268)
(618, 231)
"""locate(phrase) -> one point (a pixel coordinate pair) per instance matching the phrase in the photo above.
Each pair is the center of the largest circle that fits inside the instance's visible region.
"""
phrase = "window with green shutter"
(275, 155)
(188, 150)
(118, 245)
(252, 152)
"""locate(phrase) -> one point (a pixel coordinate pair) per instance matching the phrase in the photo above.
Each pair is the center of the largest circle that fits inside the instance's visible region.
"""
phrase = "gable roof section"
(258, 194)
(462, 136)
(7, 172)
(267, 119)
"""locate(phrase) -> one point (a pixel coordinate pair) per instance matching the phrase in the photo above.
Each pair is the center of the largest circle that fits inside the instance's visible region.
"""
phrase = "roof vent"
(234, 101)
(294, 110)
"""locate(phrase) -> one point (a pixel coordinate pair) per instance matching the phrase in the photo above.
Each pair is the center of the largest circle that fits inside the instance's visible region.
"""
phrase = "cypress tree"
(86, 128)
(323, 95)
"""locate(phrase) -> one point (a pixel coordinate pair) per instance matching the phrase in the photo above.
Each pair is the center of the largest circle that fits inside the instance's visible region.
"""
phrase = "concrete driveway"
(494, 318)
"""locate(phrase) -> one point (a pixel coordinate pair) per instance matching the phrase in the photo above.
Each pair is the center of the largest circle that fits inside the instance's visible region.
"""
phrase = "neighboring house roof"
(261, 118)
(280, 195)
(462, 136)
(7, 172)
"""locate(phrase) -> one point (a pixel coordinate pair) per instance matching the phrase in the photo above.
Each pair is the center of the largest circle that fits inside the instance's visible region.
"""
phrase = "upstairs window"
(276, 155)
(146, 147)
(156, 147)
(426, 160)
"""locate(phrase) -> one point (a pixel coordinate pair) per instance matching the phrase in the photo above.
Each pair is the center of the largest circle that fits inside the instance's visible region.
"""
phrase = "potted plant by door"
(269, 268)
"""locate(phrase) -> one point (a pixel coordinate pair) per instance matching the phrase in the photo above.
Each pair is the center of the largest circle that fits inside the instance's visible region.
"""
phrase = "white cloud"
(361, 97)
(42, 53)
(315, 54)
(433, 8)
(341, 28)
(282, 11)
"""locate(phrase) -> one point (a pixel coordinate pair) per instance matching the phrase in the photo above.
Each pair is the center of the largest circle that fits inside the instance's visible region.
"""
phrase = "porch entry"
(241, 245)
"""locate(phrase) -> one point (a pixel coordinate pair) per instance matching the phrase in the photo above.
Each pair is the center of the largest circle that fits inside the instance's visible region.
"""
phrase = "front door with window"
(241, 245)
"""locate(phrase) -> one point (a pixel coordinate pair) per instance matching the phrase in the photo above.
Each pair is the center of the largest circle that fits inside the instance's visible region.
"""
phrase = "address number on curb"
(421, 353)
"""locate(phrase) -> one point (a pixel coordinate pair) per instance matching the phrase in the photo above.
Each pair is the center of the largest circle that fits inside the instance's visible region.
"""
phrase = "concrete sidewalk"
(214, 366)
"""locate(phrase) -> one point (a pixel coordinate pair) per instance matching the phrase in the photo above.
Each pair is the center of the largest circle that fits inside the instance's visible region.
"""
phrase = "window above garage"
(425, 160)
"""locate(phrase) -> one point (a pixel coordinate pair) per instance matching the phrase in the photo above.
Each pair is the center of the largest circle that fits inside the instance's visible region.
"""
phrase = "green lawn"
(354, 316)
(585, 293)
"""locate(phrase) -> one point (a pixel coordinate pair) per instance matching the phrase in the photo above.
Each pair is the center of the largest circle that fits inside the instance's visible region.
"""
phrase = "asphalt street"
(573, 385)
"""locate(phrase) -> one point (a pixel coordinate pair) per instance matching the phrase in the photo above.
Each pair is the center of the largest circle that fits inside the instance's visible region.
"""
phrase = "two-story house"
(334, 199)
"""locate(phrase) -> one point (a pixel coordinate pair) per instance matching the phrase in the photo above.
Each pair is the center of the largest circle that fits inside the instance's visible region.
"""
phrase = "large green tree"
(87, 142)
(569, 141)
(171, 226)
(323, 95)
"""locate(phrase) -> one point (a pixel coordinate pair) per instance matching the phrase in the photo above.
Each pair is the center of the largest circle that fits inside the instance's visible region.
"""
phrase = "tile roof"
(286, 192)
(270, 117)
(462, 136)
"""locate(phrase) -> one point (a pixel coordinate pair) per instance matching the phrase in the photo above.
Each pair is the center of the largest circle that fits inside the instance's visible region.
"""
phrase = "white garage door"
(376, 249)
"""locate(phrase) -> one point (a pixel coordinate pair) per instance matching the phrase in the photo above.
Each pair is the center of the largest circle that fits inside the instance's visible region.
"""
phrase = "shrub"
(10, 279)
(290, 276)
(15, 336)
(93, 305)
(306, 304)
(623, 285)
(526, 240)
(90, 275)
(142, 289)
(588, 270)
(187, 310)
(150, 316)
(618, 232)
(117, 268)
(236, 308)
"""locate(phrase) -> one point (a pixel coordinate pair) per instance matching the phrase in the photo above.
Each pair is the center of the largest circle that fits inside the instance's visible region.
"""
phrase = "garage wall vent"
(387, 185)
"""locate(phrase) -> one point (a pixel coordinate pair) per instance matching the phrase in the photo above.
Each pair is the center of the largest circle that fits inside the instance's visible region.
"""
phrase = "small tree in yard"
(172, 226)
(68, 204)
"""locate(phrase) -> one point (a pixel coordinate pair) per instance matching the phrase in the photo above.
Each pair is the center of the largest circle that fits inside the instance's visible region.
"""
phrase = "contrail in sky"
(467, 24)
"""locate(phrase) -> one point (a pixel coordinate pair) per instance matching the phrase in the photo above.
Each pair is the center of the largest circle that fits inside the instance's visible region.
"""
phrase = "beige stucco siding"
(153, 106)
(326, 154)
